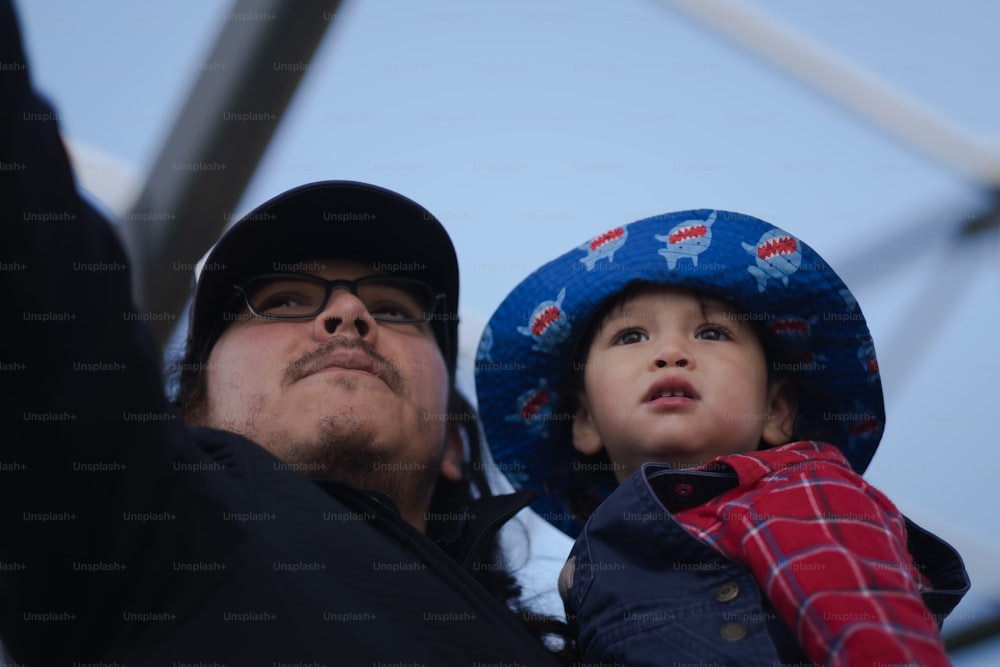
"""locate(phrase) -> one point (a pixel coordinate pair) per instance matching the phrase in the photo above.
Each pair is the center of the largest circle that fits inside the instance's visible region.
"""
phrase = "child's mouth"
(671, 391)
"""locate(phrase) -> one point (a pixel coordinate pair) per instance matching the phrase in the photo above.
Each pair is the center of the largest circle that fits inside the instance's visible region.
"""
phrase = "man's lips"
(671, 391)
(344, 362)
(349, 357)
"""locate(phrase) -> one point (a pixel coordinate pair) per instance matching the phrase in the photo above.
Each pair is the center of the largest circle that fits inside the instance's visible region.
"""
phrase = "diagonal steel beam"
(219, 136)
(849, 85)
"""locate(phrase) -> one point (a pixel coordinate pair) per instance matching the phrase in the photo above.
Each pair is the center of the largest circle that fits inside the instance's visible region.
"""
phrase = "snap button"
(733, 632)
(727, 592)
(683, 489)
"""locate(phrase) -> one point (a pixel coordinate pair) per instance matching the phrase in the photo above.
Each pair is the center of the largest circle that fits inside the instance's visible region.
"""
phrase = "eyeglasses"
(303, 296)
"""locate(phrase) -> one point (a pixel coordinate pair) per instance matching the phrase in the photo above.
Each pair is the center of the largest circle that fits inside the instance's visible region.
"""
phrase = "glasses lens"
(391, 299)
(286, 296)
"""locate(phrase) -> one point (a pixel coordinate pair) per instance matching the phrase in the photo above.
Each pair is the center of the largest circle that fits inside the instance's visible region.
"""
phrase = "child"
(701, 388)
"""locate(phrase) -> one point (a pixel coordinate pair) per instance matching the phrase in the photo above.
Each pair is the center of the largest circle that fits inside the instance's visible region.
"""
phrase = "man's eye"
(394, 311)
(629, 336)
(283, 301)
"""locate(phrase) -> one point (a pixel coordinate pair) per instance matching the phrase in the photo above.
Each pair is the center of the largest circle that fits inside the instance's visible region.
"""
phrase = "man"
(248, 535)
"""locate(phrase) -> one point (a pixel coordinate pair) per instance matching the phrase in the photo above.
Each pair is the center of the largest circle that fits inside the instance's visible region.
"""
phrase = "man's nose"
(345, 315)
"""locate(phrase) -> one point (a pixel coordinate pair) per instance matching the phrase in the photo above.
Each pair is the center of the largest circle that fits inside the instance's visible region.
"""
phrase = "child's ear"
(586, 439)
(783, 404)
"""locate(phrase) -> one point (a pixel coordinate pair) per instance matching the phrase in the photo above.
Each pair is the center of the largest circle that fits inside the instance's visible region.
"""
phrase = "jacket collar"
(464, 533)
(676, 490)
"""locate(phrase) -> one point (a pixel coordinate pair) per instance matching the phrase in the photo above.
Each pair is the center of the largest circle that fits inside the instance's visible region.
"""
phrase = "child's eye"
(628, 337)
(713, 332)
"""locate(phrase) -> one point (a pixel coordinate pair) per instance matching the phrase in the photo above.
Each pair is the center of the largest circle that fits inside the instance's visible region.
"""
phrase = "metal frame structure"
(217, 140)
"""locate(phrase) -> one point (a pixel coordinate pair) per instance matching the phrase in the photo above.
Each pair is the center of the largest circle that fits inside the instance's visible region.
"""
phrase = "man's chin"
(348, 447)
(336, 411)
(345, 450)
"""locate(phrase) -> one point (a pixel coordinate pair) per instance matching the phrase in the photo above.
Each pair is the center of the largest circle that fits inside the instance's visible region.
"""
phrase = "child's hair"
(589, 469)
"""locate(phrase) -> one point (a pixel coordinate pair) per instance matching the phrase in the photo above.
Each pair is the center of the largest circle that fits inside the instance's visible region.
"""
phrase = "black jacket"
(129, 538)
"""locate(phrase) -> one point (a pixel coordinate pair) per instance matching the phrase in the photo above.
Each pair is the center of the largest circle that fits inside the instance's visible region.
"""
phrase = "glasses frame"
(435, 300)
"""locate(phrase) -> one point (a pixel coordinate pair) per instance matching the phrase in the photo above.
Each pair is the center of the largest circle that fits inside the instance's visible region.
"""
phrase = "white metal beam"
(828, 72)
(262, 52)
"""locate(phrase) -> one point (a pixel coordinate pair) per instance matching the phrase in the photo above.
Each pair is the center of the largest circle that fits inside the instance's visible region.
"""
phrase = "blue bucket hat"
(528, 346)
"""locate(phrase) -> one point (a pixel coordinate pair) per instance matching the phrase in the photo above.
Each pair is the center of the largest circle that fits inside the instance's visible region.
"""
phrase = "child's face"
(675, 379)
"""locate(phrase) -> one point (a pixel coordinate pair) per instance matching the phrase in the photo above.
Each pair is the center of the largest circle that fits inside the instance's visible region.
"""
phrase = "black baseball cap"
(343, 220)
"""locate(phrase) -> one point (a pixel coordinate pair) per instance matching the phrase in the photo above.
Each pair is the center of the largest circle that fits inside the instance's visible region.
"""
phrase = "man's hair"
(580, 498)
(192, 387)
(191, 372)
(487, 563)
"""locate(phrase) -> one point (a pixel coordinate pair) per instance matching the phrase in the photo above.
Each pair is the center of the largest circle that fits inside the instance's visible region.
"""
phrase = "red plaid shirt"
(828, 550)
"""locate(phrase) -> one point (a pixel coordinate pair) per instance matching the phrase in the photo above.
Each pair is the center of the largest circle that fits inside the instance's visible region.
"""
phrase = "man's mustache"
(319, 358)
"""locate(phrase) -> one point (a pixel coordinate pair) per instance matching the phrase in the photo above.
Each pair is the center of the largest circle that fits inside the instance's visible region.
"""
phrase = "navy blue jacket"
(646, 592)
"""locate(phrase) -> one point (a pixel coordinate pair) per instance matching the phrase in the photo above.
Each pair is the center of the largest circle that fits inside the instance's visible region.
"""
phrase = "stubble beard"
(344, 450)
(344, 446)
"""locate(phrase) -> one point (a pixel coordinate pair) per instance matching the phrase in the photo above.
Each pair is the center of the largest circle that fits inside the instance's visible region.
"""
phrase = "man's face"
(675, 379)
(340, 395)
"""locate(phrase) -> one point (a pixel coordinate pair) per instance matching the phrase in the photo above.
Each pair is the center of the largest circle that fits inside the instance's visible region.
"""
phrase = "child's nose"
(680, 363)
(673, 352)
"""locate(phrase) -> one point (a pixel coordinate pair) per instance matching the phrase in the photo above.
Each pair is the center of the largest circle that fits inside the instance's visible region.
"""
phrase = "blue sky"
(529, 127)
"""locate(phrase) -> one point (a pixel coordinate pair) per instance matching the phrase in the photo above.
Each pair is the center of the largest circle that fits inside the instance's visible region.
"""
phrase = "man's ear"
(453, 459)
(783, 405)
(586, 438)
